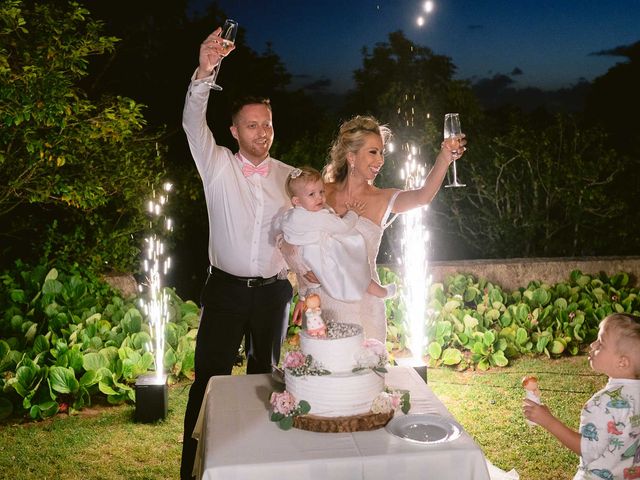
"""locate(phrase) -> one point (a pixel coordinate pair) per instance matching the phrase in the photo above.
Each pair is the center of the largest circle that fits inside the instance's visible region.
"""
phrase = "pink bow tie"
(248, 169)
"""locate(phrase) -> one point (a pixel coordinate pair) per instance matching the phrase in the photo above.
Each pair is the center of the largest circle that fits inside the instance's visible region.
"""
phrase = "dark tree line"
(540, 182)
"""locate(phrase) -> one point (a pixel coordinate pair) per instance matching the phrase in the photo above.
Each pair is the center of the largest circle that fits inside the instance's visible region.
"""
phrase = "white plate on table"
(424, 428)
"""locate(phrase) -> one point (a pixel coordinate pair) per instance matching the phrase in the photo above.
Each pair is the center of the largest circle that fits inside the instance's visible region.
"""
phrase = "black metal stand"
(422, 371)
(152, 398)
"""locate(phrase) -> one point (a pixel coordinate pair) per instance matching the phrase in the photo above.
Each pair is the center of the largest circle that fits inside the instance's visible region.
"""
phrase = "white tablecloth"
(238, 441)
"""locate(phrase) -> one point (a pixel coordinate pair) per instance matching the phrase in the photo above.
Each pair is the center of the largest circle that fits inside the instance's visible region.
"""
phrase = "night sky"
(548, 44)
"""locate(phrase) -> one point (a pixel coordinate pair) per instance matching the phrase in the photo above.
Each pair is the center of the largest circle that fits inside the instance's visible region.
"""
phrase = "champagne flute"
(228, 37)
(452, 130)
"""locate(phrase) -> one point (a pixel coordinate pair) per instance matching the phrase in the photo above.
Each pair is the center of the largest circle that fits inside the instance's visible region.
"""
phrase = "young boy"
(608, 440)
(330, 244)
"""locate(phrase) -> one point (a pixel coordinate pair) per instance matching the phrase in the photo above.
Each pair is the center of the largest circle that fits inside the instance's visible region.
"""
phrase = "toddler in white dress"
(330, 245)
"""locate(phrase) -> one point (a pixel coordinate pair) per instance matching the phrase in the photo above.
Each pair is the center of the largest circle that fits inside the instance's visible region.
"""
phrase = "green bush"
(477, 324)
(65, 337)
(74, 168)
(472, 323)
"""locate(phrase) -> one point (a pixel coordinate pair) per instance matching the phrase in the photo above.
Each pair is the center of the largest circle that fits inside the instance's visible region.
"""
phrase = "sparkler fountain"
(414, 260)
(151, 389)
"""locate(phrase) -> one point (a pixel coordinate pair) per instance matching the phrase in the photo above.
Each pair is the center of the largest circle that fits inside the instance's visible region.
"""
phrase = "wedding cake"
(335, 381)
(335, 373)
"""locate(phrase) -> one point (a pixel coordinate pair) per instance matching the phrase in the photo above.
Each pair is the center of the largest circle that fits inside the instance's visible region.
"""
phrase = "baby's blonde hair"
(300, 176)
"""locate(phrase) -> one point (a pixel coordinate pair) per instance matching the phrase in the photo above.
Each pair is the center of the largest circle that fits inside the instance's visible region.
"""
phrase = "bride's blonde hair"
(351, 137)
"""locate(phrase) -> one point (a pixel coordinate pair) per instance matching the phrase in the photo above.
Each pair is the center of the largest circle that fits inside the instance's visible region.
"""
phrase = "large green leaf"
(542, 344)
(26, 375)
(495, 296)
(52, 275)
(435, 350)
(4, 349)
(63, 380)
(41, 344)
(132, 321)
(499, 359)
(44, 410)
(52, 287)
(451, 306)
(560, 303)
(17, 295)
(470, 294)
(30, 334)
(540, 297)
(75, 359)
(94, 361)
(89, 378)
(557, 347)
(521, 336)
(451, 356)
(141, 340)
(489, 337)
(620, 280)
(107, 387)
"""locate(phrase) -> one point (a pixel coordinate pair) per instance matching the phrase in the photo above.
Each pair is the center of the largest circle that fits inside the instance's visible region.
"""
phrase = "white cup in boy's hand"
(532, 393)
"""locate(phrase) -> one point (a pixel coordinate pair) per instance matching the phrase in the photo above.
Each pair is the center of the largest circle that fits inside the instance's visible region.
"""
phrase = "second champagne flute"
(228, 37)
(452, 130)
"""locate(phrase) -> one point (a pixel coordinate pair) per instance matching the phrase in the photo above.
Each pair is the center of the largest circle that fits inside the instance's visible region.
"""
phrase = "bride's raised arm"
(410, 199)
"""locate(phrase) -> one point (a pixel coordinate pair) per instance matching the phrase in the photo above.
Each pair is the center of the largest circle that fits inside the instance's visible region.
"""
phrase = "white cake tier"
(333, 354)
(337, 395)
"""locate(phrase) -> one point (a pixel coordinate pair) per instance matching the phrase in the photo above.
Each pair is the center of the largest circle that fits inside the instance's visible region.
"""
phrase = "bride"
(356, 158)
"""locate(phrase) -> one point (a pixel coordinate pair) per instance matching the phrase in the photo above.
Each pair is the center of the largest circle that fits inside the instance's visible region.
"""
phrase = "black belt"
(248, 281)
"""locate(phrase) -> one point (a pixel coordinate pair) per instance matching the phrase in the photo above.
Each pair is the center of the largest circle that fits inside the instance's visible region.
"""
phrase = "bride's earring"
(352, 168)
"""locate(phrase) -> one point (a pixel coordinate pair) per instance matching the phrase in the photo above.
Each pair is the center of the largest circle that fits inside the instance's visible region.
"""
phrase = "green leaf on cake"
(286, 423)
(304, 407)
(405, 402)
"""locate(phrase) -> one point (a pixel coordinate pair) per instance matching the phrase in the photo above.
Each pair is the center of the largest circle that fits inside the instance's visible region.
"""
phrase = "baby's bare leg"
(379, 291)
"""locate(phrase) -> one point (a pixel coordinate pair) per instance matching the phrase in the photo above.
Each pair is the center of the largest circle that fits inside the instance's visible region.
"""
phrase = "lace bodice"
(370, 311)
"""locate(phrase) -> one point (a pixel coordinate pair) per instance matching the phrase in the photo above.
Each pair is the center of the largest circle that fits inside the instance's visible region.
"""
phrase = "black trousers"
(231, 309)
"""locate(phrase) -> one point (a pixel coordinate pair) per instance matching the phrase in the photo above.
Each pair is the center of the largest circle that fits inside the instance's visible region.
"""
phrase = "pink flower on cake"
(285, 409)
(375, 346)
(391, 400)
(294, 359)
(367, 359)
(373, 354)
(382, 403)
(396, 400)
(283, 403)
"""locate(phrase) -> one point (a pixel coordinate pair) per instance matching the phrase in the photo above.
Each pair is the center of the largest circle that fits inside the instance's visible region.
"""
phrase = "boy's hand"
(541, 415)
(536, 413)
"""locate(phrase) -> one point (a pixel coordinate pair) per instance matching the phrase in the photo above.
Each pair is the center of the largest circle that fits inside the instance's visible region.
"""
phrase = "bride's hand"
(356, 206)
(453, 148)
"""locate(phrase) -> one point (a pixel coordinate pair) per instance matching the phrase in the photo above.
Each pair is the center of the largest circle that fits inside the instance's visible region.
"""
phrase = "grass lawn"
(104, 442)
(488, 405)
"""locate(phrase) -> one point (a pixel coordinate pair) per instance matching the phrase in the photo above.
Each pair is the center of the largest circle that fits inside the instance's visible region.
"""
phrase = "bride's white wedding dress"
(369, 311)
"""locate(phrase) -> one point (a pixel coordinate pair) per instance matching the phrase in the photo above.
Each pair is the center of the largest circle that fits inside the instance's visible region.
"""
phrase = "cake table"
(236, 440)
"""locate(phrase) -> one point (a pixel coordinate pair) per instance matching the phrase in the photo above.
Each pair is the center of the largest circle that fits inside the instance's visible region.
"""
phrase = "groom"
(247, 290)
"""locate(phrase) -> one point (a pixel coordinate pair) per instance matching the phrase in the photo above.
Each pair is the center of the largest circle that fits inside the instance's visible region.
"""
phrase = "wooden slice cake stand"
(355, 423)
